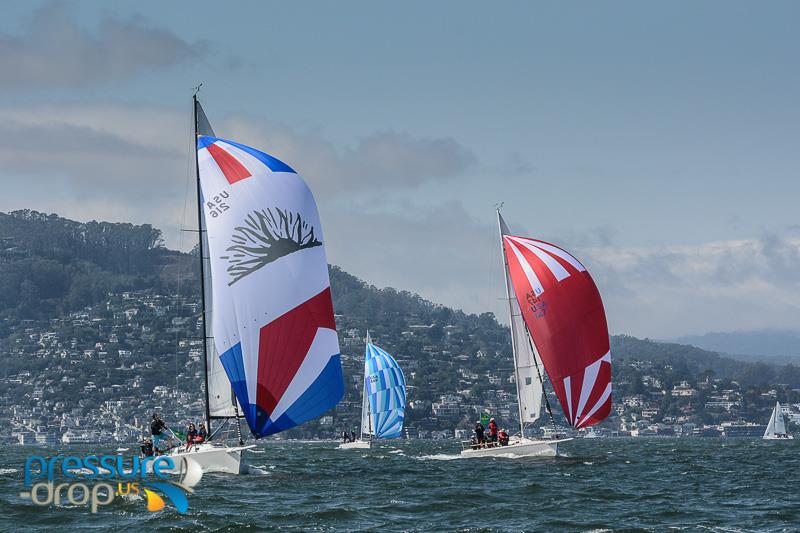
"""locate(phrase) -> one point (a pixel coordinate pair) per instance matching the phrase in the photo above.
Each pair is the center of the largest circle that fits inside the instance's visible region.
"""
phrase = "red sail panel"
(564, 314)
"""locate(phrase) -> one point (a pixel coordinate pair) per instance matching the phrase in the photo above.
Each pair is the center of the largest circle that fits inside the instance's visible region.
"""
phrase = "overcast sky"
(660, 143)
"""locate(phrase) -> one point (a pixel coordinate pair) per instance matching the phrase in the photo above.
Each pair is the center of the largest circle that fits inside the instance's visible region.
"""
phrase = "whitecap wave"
(438, 457)
(260, 470)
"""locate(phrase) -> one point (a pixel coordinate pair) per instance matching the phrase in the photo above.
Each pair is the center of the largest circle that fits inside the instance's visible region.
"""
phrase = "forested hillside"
(50, 265)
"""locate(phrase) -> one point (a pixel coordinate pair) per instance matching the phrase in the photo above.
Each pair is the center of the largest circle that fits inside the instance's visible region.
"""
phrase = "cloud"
(132, 163)
(129, 163)
(719, 286)
(55, 51)
(382, 160)
(105, 162)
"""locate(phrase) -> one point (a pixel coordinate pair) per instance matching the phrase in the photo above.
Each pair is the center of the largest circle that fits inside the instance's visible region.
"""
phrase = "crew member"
(202, 434)
(157, 427)
(480, 433)
(503, 437)
(493, 431)
(191, 436)
(147, 447)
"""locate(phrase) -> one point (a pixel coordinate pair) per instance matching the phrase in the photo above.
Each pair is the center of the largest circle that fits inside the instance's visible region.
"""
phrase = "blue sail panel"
(386, 390)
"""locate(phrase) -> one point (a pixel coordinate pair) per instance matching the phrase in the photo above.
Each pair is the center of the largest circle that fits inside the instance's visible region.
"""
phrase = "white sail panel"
(220, 395)
(770, 431)
(776, 427)
(529, 384)
(366, 426)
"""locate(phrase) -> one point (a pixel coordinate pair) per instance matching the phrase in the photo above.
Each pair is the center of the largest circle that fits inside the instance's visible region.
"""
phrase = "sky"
(659, 143)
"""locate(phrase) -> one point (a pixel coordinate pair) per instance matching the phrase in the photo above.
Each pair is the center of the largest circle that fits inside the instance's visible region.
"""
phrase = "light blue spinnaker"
(385, 387)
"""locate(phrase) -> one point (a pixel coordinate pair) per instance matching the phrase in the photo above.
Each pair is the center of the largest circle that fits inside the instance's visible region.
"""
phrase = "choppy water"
(601, 485)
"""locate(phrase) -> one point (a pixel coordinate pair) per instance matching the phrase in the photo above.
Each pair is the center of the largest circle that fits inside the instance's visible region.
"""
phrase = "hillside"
(50, 265)
(102, 315)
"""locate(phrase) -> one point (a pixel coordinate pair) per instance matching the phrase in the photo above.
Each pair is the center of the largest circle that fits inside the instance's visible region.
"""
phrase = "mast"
(511, 323)
(201, 255)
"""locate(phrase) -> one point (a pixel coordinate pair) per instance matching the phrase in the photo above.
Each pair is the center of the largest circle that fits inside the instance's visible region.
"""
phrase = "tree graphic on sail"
(267, 235)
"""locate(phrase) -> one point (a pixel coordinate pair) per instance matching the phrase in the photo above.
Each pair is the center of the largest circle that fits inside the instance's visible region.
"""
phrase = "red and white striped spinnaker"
(564, 314)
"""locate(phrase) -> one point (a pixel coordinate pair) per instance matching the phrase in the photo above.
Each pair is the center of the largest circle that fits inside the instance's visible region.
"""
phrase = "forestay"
(273, 322)
(385, 386)
(564, 314)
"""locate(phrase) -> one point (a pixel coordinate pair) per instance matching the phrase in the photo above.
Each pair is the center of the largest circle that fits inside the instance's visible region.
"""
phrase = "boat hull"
(775, 437)
(211, 458)
(357, 445)
(519, 448)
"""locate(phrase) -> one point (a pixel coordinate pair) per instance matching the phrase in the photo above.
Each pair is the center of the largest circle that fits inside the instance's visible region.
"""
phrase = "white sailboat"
(557, 326)
(383, 399)
(776, 428)
(271, 349)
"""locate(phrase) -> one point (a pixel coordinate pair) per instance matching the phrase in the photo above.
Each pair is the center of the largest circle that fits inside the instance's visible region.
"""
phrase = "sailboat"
(776, 428)
(558, 328)
(383, 401)
(271, 352)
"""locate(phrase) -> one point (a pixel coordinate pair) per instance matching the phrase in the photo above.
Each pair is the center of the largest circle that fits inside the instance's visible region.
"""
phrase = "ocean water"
(599, 485)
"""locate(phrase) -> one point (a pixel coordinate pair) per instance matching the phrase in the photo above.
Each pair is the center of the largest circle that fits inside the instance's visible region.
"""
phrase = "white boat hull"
(775, 437)
(356, 445)
(213, 458)
(519, 448)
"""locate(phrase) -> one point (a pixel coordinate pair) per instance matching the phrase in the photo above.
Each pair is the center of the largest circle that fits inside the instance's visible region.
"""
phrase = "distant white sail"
(776, 426)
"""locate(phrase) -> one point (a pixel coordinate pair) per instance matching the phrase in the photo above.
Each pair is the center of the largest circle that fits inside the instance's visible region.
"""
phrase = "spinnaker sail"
(564, 315)
(272, 324)
(385, 387)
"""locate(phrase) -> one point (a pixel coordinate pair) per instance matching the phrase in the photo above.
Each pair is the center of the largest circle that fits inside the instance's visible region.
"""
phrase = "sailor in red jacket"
(493, 431)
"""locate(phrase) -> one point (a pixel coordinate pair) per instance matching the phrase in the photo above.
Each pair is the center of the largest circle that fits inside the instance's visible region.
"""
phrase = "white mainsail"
(366, 419)
(220, 395)
(529, 385)
(366, 426)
